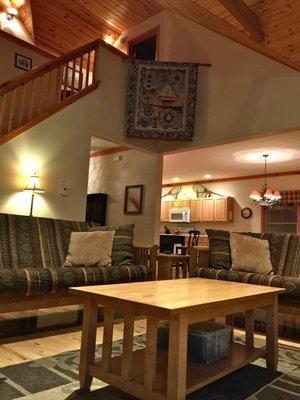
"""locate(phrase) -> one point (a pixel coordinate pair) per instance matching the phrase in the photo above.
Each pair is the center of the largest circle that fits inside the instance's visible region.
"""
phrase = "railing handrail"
(47, 67)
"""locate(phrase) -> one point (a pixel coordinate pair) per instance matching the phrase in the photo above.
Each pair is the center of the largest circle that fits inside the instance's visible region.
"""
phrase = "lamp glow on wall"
(34, 186)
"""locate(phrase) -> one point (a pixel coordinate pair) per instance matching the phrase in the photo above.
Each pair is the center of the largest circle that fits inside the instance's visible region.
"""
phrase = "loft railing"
(46, 88)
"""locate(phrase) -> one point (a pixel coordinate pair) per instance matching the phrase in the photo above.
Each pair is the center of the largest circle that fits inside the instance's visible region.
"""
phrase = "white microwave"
(179, 215)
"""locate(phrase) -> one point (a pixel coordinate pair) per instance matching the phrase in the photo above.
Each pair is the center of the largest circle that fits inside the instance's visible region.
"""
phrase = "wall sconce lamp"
(33, 185)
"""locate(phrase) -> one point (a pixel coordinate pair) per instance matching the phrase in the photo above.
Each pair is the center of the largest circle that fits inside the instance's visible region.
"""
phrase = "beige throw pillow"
(90, 248)
(250, 254)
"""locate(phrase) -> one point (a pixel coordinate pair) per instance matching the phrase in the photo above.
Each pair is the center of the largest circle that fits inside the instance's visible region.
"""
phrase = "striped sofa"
(33, 250)
(285, 259)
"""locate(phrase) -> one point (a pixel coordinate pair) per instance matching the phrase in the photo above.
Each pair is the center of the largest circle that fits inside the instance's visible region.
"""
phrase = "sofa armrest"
(199, 258)
(146, 255)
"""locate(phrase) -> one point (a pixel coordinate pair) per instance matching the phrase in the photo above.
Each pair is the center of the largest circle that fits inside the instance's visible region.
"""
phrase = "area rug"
(56, 378)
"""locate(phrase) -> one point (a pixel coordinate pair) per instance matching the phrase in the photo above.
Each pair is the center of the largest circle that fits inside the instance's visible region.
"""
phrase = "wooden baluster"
(3, 100)
(12, 111)
(44, 91)
(94, 66)
(22, 105)
(35, 93)
(58, 96)
(52, 88)
(31, 99)
(87, 77)
(65, 81)
(80, 74)
(73, 76)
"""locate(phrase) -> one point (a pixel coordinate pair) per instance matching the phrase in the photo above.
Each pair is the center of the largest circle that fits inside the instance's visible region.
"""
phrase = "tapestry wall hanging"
(161, 100)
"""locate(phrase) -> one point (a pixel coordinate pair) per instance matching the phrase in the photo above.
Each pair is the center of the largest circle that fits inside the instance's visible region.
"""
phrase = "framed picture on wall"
(23, 62)
(133, 202)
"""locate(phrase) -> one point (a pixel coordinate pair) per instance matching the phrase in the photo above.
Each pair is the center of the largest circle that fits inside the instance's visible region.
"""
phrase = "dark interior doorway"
(144, 47)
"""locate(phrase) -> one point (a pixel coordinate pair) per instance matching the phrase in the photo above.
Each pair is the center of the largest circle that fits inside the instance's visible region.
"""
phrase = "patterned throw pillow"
(250, 254)
(122, 250)
(219, 249)
(90, 249)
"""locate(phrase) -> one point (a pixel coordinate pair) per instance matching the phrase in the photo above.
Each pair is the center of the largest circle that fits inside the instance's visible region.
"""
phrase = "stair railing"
(46, 87)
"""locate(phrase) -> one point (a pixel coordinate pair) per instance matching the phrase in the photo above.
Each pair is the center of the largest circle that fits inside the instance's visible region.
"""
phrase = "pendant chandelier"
(265, 197)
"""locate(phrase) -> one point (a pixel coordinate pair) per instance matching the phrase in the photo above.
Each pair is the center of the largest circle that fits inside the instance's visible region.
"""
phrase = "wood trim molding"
(28, 45)
(109, 151)
(235, 178)
(113, 50)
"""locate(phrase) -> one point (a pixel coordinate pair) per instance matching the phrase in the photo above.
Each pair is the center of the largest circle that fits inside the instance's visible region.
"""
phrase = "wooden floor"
(32, 347)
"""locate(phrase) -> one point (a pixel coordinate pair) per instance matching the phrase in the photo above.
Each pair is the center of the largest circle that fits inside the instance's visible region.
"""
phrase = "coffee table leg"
(177, 358)
(88, 343)
(249, 327)
(272, 335)
(230, 322)
(150, 353)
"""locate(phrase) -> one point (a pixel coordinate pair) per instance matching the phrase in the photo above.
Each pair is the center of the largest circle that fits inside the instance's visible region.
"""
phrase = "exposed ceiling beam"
(245, 16)
(201, 16)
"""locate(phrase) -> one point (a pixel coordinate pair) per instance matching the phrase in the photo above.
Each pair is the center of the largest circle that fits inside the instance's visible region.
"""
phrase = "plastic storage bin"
(208, 341)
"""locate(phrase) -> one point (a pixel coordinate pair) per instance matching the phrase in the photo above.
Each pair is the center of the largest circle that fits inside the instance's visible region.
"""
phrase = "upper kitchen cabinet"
(196, 210)
(180, 203)
(223, 211)
(208, 209)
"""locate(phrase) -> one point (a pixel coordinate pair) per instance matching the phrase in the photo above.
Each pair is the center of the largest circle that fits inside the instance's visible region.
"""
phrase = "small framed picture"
(23, 62)
(133, 203)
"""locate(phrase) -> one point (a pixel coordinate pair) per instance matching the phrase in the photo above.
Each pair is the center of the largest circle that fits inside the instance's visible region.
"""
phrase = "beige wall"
(8, 49)
(135, 168)
(240, 191)
(58, 148)
(243, 94)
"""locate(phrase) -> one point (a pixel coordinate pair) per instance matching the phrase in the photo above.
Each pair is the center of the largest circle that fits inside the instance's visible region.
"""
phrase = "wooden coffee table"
(152, 374)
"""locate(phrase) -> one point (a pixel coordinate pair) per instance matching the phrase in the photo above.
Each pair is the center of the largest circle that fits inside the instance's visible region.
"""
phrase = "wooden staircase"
(35, 95)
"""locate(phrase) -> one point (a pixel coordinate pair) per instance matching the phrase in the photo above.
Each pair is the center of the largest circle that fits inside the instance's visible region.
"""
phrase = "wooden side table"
(172, 266)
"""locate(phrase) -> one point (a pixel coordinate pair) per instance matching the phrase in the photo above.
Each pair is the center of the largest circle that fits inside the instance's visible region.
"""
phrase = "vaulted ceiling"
(271, 27)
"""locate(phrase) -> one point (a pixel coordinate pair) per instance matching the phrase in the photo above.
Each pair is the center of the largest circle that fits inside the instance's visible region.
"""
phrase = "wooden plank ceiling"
(273, 28)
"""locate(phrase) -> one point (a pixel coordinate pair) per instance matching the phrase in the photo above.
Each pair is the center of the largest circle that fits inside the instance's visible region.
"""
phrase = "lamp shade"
(34, 184)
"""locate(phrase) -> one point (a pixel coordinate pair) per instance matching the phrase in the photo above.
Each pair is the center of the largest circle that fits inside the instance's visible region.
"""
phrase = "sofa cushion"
(220, 254)
(292, 285)
(219, 249)
(122, 250)
(33, 281)
(35, 242)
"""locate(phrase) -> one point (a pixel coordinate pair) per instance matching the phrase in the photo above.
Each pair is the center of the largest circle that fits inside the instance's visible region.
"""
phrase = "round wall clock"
(246, 213)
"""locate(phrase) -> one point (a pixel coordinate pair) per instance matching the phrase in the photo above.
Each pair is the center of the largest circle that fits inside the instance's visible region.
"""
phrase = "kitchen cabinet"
(165, 209)
(185, 203)
(202, 210)
(180, 203)
(196, 210)
(208, 209)
(223, 209)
